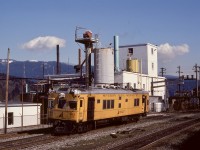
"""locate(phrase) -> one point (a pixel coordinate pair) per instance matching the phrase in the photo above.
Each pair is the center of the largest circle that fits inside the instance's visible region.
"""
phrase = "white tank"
(103, 66)
(159, 107)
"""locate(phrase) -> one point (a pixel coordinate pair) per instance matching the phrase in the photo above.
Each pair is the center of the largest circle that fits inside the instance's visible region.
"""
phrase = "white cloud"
(167, 52)
(44, 43)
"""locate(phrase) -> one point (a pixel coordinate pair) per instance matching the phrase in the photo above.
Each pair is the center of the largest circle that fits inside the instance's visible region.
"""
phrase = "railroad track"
(125, 140)
(142, 142)
(26, 142)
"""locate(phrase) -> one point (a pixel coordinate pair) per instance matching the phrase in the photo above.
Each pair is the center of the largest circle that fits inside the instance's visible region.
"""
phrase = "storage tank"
(104, 66)
(132, 65)
(159, 107)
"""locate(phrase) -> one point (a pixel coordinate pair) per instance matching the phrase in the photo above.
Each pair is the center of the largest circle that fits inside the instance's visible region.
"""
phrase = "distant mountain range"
(37, 69)
(33, 68)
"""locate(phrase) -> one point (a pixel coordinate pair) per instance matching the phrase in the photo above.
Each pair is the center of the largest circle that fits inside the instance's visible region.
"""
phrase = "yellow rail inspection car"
(80, 110)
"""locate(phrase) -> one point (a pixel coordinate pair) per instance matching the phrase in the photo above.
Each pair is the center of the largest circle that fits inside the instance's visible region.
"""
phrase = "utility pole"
(7, 79)
(163, 71)
(199, 78)
(196, 71)
(179, 76)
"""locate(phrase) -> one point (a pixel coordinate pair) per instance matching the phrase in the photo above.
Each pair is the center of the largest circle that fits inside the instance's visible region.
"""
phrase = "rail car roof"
(111, 91)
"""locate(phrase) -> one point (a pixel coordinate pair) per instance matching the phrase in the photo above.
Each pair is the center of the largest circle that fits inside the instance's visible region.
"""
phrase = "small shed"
(156, 104)
(20, 114)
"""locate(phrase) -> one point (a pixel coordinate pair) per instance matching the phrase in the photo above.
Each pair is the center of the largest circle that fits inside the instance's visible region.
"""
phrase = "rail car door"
(81, 108)
(90, 110)
(144, 100)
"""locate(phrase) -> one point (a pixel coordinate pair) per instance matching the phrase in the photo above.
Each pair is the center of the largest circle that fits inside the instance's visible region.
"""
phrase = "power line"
(179, 76)
(196, 70)
(163, 71)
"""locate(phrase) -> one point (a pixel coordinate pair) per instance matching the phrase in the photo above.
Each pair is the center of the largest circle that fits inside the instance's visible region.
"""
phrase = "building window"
(136, 101)
(130, 51)
(143, 86)
(126, 100)
(152, 66)
(10, 118)
(134, 85)
(120, 98)
(152, 51)
(98, 101)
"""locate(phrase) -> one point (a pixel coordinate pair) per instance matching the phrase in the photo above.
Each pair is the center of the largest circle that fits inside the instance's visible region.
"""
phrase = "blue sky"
(173, 25)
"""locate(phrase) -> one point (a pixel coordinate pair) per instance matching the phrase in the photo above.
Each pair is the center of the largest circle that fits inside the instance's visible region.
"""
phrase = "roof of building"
(136, 45)
(19, 104)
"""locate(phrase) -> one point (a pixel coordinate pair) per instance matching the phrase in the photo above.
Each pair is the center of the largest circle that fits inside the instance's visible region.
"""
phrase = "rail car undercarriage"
(71, 127)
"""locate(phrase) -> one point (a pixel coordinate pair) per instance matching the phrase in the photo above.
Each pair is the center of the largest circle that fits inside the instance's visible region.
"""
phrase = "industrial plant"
(119, 83)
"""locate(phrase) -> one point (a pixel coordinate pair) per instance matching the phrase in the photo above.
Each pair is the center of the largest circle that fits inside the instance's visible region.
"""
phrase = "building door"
(90, 111)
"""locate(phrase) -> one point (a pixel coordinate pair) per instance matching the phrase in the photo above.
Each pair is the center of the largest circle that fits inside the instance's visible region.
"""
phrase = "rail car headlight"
(76, 92)
(62, 95)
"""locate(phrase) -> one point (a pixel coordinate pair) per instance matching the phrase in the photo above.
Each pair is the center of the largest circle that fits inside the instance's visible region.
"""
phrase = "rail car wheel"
(90, 126)
(85, 127)
(137, 118)
(80, 128)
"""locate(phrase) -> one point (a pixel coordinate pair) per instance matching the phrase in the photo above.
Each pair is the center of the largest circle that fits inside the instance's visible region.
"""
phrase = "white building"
(138, 66)
(146, 55)
(20, 115)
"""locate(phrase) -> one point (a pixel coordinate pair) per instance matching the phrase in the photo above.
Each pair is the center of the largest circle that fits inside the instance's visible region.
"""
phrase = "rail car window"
(112, 103)
(143, 98)
(119, 105)
(104, 104)
(136, 101)
(81, 103)
(61, 103)
(50, 103)
(108, 104)
(73, 105)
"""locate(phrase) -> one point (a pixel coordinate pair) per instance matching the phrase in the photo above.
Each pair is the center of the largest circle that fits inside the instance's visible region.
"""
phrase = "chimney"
(58, 61)
(116, 53)
(79, 56)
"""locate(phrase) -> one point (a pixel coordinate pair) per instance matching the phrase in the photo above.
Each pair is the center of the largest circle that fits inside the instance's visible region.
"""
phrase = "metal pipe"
(116, 53)
(7, 79)
(79, 56)
(87, 71)
(58, 61)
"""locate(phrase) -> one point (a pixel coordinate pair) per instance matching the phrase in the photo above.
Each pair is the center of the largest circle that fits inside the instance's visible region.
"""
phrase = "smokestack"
(58, 61)
(79, 56)
(116, 53)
